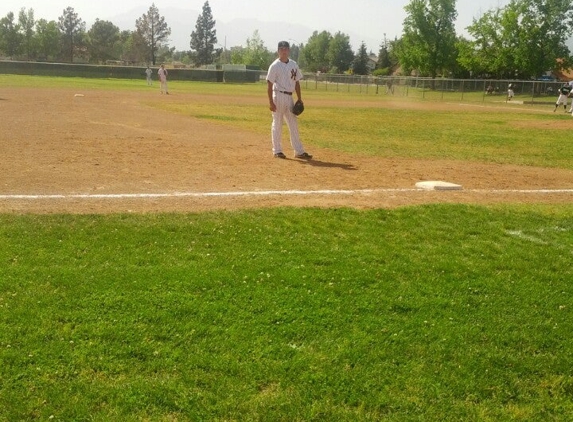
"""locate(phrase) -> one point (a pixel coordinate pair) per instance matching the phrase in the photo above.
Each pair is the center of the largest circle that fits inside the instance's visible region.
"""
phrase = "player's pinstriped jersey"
(284, 75)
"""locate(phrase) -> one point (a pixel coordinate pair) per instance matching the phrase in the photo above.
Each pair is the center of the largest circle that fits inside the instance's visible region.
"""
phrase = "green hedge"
(239, 76)
(122, 72)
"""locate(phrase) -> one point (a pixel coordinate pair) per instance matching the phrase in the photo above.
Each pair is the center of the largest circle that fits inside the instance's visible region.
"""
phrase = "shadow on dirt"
(326, 164)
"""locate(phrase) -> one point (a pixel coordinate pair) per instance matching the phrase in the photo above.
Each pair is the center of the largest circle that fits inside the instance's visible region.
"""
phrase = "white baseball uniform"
(510, 93)
(162, 74)
(148, 73)
(284, 77)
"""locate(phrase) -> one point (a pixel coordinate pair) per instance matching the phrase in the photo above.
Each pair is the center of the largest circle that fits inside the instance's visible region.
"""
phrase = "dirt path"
(55, 143)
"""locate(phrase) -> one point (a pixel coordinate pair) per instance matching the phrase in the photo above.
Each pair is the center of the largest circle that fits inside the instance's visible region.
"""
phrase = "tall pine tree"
(204, 38)
(360, 64)
(73, 29)
(153, 31)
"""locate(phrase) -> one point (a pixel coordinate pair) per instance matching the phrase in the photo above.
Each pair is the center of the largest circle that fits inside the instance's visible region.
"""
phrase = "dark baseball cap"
(284, 44)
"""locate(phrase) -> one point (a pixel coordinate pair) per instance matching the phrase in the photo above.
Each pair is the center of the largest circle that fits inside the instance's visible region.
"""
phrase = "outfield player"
(162, 75)
(148, 73)
(510, 93)
(564, 92)
(283, 79)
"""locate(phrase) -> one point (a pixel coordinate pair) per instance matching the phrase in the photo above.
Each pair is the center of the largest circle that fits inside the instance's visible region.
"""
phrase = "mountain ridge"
(232, 33)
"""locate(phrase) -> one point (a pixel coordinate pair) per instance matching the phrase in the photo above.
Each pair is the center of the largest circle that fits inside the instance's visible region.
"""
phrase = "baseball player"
(162, 74)
(510, 93)
(148, 73)
(283, 79)
(564, 92)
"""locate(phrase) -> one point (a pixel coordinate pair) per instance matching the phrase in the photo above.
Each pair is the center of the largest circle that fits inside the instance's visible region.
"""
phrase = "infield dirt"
(54, 143)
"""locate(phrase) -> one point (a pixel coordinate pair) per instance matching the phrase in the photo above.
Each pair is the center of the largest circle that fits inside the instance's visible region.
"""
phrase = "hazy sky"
(369, 19)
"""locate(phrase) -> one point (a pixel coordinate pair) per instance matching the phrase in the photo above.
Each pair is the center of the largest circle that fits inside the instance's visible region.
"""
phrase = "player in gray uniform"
(148, 73)
(283, 79)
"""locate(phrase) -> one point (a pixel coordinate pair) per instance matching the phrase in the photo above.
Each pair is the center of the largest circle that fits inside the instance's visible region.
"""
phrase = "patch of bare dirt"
(110, 143)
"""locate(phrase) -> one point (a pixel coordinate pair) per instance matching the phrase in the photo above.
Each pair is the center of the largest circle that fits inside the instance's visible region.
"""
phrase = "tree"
(223, 55)
(295, 53)
(152, 31)
(102, 38)
(256, 54)
(523, 39)
(237, 55)
(493, 50)
(204, 38)
(339, 55)
(360, 64)
(131, 47)
(384, 60)
(429, 37)
(47, 38)
(10, 38)
(165, 53)
(27, 23)
(315, 52)
(72, 29)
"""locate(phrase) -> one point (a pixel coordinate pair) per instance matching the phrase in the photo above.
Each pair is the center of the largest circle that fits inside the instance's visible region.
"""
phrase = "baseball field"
(157, 263)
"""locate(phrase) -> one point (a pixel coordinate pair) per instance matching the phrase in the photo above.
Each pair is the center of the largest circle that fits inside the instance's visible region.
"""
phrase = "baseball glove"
(298, 108)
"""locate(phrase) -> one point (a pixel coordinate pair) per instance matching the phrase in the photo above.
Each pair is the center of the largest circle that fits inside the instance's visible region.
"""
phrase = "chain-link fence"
(527, 92)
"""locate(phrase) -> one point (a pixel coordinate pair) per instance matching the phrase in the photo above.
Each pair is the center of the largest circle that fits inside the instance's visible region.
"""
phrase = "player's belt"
(286, 92)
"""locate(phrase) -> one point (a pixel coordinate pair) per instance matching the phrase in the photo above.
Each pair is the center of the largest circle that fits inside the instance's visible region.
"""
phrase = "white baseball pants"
(284, 104)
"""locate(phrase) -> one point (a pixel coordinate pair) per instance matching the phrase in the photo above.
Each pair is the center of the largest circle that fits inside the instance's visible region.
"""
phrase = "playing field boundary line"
(267, 193)
(521, 190)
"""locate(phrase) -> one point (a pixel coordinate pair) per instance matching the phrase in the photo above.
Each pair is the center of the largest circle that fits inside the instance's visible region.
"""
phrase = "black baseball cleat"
(280, 155)
(303, 156)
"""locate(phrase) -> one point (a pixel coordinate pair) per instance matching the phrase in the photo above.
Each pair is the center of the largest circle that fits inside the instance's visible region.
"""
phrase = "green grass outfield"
(433, 313)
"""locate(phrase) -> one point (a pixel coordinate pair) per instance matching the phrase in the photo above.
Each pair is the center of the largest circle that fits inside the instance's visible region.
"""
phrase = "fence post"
(533, 94)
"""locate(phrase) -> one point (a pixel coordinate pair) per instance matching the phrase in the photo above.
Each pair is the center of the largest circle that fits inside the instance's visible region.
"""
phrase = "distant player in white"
(148, 73)
(162, 75)
(510, 93)
(283, 79)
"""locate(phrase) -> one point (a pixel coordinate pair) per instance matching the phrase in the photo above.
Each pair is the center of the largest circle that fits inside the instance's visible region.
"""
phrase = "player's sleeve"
(298, 73)
(271, 74)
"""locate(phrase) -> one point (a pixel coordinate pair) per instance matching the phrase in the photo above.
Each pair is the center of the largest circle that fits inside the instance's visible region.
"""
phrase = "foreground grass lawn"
(427, 313)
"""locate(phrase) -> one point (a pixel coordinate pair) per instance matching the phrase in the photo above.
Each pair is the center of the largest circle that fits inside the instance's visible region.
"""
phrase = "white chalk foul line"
(202, 194)
(521, 190)
(265, 193)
